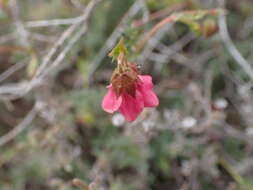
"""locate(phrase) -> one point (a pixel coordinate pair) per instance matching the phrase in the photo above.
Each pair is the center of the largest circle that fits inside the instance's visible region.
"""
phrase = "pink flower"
(131, 104)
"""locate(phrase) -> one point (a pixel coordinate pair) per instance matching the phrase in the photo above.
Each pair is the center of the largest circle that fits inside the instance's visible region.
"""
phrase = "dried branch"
(20, 127)
(20, 89)
(12, 70)
(19, 25)
(161, 13)
(230, 45)
(54, 22)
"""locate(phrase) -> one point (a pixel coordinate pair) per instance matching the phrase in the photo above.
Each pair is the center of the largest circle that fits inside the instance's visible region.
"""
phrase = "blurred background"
(53, 72)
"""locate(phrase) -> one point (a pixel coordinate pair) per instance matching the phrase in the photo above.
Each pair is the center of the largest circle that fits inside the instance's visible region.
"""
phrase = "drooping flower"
(129, 92)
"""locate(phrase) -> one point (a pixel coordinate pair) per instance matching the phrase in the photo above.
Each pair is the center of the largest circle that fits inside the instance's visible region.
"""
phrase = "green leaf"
(194, 26)
(119, 48)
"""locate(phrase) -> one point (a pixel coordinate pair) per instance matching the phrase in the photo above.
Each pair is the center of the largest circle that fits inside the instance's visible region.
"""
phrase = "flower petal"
(131, 107)
(111, 102)
(150, 98)
(146, 89)
(146, 81)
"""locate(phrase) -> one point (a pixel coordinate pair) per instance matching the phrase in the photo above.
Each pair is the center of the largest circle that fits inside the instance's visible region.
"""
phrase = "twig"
(174, 48)
(54, 22)
(42, 37)
(230, 45)
(162, 58)
(20, 27)
(66, 34)
(12, 70)
(48, 57)
(63, 53)
(152, 43)
(157, 27)
(170, 19)
(161, 13)
(20, 127)
(166, 53)
(20, 89)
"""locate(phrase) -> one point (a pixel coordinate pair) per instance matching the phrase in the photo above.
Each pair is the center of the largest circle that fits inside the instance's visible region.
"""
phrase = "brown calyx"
(124, 77)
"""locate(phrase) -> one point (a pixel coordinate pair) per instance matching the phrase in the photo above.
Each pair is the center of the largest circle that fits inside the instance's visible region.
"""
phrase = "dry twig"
(74, 32)
(230, 45)
(20, 127)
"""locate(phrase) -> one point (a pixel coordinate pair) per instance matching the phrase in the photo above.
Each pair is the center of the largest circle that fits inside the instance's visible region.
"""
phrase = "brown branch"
(161, 13)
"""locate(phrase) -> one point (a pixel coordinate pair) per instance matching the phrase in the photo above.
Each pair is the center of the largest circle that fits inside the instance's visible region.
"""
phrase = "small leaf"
(119, 48)
(194, 26)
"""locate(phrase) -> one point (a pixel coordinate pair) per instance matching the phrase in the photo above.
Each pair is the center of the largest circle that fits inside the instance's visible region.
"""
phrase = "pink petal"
(146, 81)
(146, 89)
(150, 98)
(111, 102)
(131, 107)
